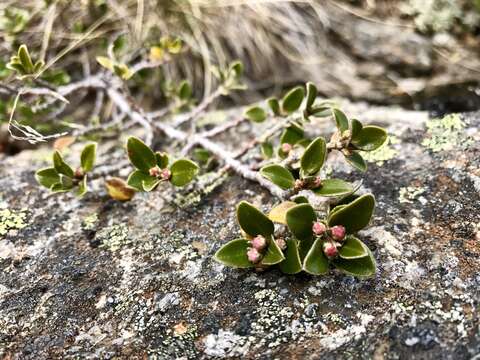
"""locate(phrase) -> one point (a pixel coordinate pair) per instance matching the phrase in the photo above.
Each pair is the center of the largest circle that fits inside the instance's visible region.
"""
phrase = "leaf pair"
(23, 64)
(288, 105)
(119, 69)
(180, 172)
(62, 178)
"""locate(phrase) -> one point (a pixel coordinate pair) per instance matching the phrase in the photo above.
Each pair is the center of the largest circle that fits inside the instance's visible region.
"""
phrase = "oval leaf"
(292, 134)
(356, 128)
(361, 267)
(267, 150)
(162, 159)
(334, 187)
(119, 190)
(340, 119)
(82, 187)
(370, 138)
(47, 177)
(279, 175)
(273, 255)
(136, 179)
(279, 213)
(356, 160)
(314, 157)
(150, 183)
(140, 155)
(234, 254)
(316, 263)
(293, 99)
(183, 171)
(256, 114)
(61, 166)
(353, 248)
(292, 263)
(311, 95)
(252, 221)
(354, 216)
(87, 158)
(300, 220)
(274, 105)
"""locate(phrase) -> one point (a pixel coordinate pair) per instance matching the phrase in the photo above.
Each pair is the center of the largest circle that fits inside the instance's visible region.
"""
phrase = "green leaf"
(61, 166)
(183, 171)
(82, 187)
(279, 213)
(321, 111)
(354, 216)
(279, 175)
(105, 62)
(361, 267)
(234, 254)
(136, 178)
(273, 255)
(184, 90)
(87, 158)
(25, 58)
(314, 157)
(47, 177)
(316, 263)
(252, 221)
(162, 159)
(311, 95)
(201, 155)
(304, 246)
(256, 114)
(356, 160)
(370, 138)
(356, 127)
(353, 248)
(293, 99)
(150, 183)
(267, 150)
(340, 119)
(292, 263)
(300, 220)
(236, 68)
(140, 155)
(66, 182)
(274, 105)
(334, 187)
(292, 134)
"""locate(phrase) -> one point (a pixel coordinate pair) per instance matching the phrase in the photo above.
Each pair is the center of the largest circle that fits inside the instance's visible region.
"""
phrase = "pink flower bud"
(330, 250)
(154, 171)
(165, 174)
(299, 184)
(282, 244)
(317, 182)
(79, 173)
(338, 232)
(259, 242)
(319, 228)
(253, 255)
(286, 148)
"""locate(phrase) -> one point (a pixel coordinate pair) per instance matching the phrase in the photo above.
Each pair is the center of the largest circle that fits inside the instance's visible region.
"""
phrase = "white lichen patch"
(225, 344)
(384, 153)
(12, 220)
(446, 134)
(410, 193)
(114, 237)
(90, 221)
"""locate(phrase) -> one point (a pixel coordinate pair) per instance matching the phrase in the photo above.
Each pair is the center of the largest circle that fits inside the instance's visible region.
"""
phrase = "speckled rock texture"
(99, 279)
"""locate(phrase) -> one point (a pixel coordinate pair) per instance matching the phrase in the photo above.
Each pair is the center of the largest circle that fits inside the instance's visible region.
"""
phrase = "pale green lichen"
(114, 237)
(12, 220)
(446, 134)
(383, 153)
(90, 221)
(410, 193)
(205, 184)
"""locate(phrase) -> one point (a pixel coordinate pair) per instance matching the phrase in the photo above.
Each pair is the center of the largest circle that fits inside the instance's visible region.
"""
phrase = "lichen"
(383, 153)
(12, 220)
(446, 134)
(114, 237)
(90, 222)
(436, 15)
(410, 193)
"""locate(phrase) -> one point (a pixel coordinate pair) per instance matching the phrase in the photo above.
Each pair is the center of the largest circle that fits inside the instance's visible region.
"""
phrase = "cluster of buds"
(340, 140)
(258, 246)
(313, 182)
(334, 237)
(164, 174)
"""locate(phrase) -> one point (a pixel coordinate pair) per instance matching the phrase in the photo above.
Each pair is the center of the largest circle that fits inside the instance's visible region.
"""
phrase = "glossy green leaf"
(361, 267)
(321, 111)
(300, 219)
(311, 95)
(256, 114)
(47, 177)
(293, 99)
(252, 221)
(314, 157)
(61, 166)
(184, 90)
(59, 187)
(236, 68)
(267, 150)
(25, 59)
(88, 156)
(136, 179)
(370, 138)
(140, 155)
(274, 105)
(82, 187)
(67, 182)
(162, 159)
(278, 213)
(304, 246)
(354, 216)
(234, 254)
(316, 263)
(356, 127)
(340, 119)
(292, 134)
(356, 160)
(201, 155)
(353, 248)
(292, 263)
(273, 255)
(279, 175)
(183, 171)
(150, 183)
(334, 187)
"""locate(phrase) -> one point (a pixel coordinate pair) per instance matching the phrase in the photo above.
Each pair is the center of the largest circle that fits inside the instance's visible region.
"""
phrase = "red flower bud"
(165, 174)
(330, 250)
(79, 173)
(319, 228)
(338, 232)
(253, 255)
(282, 244)
(259, 242)
(154, 171)
(286, 148)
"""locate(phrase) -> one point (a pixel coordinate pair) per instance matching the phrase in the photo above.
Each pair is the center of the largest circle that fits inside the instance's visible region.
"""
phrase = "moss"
(114, 237)
(446, 134)
(383, 153)
(12, 220)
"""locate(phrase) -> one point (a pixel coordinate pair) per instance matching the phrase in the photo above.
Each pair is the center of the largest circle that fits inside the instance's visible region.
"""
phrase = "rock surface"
(103, 279)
